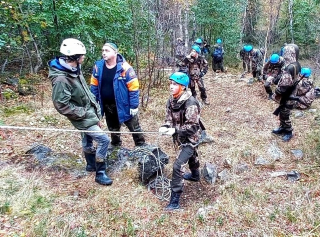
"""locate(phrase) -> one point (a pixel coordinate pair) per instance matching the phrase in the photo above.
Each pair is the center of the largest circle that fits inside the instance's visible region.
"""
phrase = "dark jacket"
(71, 96)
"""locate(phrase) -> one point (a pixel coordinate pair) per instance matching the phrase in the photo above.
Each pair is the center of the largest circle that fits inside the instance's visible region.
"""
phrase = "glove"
(201, 74)
(171, 131)
(163, 130)
(134, 112)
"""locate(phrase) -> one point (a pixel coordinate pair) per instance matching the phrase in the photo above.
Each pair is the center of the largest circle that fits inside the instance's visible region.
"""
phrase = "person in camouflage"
(285, 88)
(180, 54)
(197, 68)
(304, 94)
(245, 57)
(256, 59)
(182, 122)
(72, 98)
(271, 72)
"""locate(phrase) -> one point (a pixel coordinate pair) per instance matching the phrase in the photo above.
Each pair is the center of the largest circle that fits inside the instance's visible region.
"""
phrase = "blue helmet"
(219, 41)
(180, 78)
(198, 41)
(274, 58)
(196, 48)
(305, 71)
(247, 48)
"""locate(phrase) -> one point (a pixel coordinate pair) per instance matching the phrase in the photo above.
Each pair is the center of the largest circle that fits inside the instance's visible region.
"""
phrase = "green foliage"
(215, 18)
(9, 111)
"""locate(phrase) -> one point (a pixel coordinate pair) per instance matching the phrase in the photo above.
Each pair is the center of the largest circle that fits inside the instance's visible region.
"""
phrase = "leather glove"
(163, 130)
(134, 112)
(171, 131)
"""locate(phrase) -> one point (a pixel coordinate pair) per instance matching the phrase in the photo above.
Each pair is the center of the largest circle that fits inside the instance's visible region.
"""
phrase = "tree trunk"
(290, 6)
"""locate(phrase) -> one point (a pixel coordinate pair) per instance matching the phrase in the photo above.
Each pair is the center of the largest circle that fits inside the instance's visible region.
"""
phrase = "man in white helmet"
(72, 98)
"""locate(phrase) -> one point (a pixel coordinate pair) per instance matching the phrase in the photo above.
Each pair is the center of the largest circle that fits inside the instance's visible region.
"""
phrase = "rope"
(71, 130)
(160, 184)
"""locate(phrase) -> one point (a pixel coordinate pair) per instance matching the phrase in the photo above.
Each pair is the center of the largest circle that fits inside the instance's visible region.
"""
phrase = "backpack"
(217, 54)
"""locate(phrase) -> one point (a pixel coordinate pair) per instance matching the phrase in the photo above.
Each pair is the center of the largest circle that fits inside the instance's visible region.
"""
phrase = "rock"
(210, 173)
(277, 174)
(274, 151)
(297, 154)
(224, 175)
(293, 176)
(261, 161)
(240, 168)
(312, 110)
(298, 114)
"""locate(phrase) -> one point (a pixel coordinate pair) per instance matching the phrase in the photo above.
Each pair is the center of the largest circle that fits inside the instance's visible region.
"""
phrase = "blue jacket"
(125, 85)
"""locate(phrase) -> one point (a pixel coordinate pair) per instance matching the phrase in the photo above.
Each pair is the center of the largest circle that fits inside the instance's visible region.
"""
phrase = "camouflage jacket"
(196, 66)
(273, 69)
(71, 96)
(289, 74)
(184, 115)
(306, 94)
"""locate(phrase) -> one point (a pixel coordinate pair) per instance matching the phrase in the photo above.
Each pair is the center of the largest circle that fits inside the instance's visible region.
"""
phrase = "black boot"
(101, 176)
(174, 201)
(278, 131)
(287, 136)
(91, 161)
(193, 176)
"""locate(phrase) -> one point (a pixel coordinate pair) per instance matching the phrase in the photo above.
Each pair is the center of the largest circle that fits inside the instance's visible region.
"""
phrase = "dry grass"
(37, 201)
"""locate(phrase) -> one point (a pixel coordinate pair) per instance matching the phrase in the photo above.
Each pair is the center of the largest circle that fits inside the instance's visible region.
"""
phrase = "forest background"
(42, 201)
(31, 31)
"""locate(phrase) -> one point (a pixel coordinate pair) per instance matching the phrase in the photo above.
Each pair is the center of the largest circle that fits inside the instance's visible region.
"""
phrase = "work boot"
(174, 202)
(205, 101)
(287, 136)
(101, 176)
(91, 161)
(193, 176)
(278, 131)
(270, 96)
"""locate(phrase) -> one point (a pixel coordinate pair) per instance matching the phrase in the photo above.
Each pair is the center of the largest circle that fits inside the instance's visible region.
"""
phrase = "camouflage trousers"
(187, 154)
(199, 81)
(284, 117)
(246, 64)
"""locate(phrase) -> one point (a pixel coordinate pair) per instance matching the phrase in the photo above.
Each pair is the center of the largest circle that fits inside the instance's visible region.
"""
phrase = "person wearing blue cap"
(245, 57)
(116, 87)
(304, 94)
(182, 121)
(217, 56)
(271, 73)
(197, 67)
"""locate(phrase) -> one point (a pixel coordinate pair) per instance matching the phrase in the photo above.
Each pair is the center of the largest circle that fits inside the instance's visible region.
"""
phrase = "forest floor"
(250, 200)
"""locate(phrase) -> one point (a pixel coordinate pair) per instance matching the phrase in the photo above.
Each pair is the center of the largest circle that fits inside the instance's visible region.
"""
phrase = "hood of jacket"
(57, 67)
(290, 53)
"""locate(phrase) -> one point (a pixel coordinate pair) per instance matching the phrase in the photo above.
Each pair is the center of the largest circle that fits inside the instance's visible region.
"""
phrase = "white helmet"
(70, 47)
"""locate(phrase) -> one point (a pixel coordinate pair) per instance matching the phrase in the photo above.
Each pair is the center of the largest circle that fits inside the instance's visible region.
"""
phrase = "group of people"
(195, 64)
(114, 93)
(294, 89)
